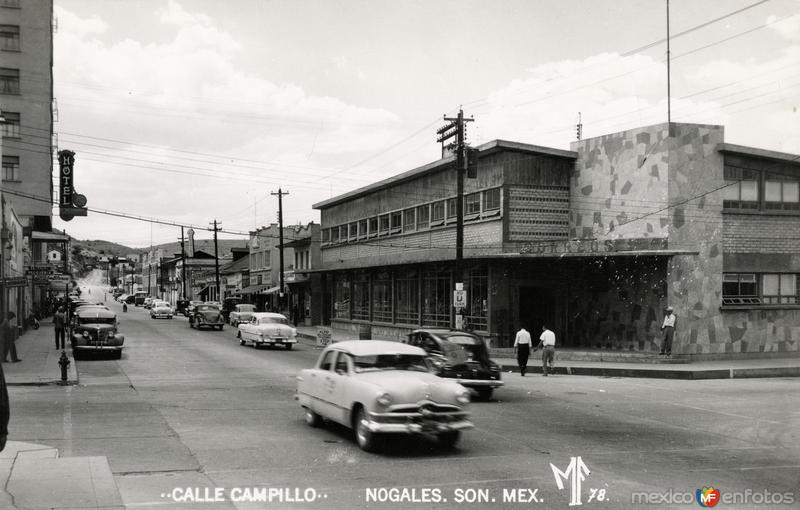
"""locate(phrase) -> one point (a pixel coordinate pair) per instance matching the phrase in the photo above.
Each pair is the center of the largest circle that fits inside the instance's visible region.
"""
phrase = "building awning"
(204, 291)
(271, 290)
(254, 289)
(49, 236)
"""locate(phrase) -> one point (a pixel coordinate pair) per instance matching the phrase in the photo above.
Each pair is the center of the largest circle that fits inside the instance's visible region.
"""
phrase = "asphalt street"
(191, 415)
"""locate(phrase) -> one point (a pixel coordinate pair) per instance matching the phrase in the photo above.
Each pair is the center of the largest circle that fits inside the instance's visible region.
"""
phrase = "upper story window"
(373, 226)
(353, 231)
(10, 128)
(423, 216)
(10, 3)
(9, 37)
(741, 190)
(335, 235)
(779, 288)
(472, 204)
(452, 210)
(11, 168)
(362, 229)
(491, 200)
(9, 80)
(437, 213)
(409, 222)
(384, 224)
(781, 192)
(397, 222)
(326, 235)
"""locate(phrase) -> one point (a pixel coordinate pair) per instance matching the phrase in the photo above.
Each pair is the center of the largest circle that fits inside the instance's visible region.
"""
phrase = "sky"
(190, 111)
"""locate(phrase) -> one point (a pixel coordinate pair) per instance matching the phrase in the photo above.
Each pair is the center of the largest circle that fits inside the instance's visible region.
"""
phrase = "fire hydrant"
(64, 362)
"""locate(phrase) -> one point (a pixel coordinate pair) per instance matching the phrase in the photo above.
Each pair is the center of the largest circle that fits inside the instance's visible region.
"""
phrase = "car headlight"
(463, 397)
(384, 399)
(86, 334)
(111, 335)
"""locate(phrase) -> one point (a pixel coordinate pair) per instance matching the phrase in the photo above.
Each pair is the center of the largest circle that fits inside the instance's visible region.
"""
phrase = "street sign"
(459, 299)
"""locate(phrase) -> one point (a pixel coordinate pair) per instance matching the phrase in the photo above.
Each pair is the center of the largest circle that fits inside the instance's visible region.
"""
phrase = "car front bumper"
(479, 383)
(275, 341)
(417, 423)
(161, 315)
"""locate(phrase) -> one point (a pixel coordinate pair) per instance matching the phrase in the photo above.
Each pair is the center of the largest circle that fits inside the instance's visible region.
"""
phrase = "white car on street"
(266, 328)
(378, 387)
(159, 309)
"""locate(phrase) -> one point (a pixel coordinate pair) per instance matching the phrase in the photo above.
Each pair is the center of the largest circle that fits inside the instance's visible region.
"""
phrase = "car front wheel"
(288, 347)
(485, 393)
(364, 436)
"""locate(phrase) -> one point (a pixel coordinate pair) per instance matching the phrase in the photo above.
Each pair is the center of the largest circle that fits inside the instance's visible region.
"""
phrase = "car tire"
(312, 418)
(485, 393)
(118, 354)
(449, 439)
(220, 327)
(288, 347)
(365, 438)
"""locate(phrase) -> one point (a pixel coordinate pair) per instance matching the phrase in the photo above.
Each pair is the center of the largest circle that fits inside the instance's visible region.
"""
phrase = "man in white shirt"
(668, 327)
(547, 341)
(522, 345)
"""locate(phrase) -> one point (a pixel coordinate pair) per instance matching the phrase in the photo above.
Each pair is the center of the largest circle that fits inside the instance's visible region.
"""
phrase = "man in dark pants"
(4, 410)
(60, 324)
(522, 345)
(668, 327)
(8, 330)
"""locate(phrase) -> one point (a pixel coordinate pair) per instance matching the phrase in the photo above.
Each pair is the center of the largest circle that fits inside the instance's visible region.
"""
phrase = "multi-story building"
(264, 290)
(26, 101)
(233, 276)
(595, 242)
(304, 284)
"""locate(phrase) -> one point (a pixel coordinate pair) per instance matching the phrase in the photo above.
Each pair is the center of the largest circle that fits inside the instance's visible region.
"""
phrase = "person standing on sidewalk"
(60, 323)
(4, 410)
(547, 341)
(522, 346)
(668, 328)
(8, 330)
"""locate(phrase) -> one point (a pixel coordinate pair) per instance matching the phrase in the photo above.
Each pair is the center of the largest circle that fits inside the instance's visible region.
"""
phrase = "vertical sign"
(66, 160)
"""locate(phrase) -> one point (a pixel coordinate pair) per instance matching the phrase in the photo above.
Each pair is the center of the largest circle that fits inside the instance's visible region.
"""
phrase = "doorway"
(536, 308)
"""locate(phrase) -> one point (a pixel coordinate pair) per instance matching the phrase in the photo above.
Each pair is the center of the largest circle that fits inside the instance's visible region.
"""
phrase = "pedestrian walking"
(8, 330)
(60, 324)
(547, 342)
(668, 328)
(522, 346)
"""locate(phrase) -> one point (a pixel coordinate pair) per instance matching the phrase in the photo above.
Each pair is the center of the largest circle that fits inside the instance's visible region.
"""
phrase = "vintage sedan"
(377, 387)
(266, 328)
(189, 310)
(95, 331)
(160, 309)
(206, 315)
(241, 313)
(460, 355)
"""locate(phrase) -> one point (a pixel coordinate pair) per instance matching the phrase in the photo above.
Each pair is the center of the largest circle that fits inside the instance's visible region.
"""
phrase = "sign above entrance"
(594, 246)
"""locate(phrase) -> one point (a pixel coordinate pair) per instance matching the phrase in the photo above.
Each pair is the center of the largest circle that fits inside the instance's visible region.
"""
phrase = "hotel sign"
(594, 246)
(70, 204)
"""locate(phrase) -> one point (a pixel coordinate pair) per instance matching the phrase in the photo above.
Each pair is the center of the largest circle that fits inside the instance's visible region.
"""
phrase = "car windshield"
(160, 303)
(207, 308)
(246, 308)
(273, 320)
(377, 362)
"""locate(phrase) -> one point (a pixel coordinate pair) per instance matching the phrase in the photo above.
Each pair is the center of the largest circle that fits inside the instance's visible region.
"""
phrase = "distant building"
(594, 242)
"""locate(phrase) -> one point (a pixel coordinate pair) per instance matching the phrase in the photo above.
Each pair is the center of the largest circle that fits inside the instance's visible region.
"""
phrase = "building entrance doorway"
(536, 308)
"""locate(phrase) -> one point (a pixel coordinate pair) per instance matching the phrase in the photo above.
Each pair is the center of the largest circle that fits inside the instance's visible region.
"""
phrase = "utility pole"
(456, 128)
(183, 266)
(669, 106)
(216, 258)
(280, 194)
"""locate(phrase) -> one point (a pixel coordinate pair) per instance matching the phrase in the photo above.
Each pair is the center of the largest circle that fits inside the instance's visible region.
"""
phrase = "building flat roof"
(760, 153)
(483, 150)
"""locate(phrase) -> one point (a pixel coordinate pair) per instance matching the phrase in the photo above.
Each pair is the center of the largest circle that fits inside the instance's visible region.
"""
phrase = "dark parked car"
(94, 331)
(459, 355)
(189, 310)
(206, 315)
(229, 305)
(181, 306)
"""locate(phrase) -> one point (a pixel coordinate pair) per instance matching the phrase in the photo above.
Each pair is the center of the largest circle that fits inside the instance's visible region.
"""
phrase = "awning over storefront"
(271, 290)
(204, 291)
(254, 289)
(49, 236)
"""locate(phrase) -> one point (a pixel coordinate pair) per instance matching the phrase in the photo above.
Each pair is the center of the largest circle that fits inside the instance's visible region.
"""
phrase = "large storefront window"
(436, 298)
(361, 297)
(478, 298)
(407, 285)
(341, 297)
(382, 297)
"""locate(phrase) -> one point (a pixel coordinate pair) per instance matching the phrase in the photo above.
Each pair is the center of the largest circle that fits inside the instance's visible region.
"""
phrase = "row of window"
(10, 168)
(759, 288)
(409, 297)
(756, 190)
(476, 205)
(9, 81)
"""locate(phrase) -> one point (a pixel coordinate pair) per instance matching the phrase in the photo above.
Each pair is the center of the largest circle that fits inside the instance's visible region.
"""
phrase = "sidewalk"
(39, 366)
(723, 369)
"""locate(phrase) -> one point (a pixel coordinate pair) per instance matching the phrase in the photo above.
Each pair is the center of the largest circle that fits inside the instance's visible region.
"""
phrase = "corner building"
(595, 242)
